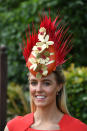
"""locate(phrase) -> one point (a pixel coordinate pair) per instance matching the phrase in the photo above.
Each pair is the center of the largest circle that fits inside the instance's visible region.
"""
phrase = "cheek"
(51, 91)
(32, 90)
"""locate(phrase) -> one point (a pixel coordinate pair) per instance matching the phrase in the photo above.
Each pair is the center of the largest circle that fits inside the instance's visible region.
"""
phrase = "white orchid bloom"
(34, 48)
(41, 61)
(33, 66)
(50, 62)
(43, 38)
(32, 60)
(47, 59)
(46, 38)
(50, 42)
(39, 49)
(34, 63)
(44, 46)
(45, 72)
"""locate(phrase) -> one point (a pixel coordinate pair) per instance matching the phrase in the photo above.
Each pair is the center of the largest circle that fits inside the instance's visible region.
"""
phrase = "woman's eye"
(47, 83)
(33, 83)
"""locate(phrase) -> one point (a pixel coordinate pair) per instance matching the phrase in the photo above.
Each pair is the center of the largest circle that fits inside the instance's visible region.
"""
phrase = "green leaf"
(47, 53)
(38, 75)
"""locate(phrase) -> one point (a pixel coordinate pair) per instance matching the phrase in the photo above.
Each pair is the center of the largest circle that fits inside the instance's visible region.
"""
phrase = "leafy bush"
(77, 91)
(18, 101)
(76, 86)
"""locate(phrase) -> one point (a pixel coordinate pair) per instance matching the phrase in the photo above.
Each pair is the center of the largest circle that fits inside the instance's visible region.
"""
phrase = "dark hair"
(60, 79)
(59, 75)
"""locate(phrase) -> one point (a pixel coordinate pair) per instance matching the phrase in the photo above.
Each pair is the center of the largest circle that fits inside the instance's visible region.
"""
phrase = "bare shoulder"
(6, 129)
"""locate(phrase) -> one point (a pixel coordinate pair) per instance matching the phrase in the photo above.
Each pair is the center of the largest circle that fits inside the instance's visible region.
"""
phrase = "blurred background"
(15, 15)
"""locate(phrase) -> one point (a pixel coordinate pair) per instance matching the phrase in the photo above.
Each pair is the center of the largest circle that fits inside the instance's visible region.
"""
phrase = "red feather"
(57, 33)
(27, 46)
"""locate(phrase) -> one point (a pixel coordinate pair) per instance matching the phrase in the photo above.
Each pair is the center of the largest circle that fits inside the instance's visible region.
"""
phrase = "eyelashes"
(33, 83)
(44, 83)
(47, 83)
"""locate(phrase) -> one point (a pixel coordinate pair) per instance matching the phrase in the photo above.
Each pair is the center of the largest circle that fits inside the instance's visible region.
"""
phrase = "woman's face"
(43, 91)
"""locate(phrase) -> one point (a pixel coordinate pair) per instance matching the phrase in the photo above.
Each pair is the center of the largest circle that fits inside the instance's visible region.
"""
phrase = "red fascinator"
(47, 49)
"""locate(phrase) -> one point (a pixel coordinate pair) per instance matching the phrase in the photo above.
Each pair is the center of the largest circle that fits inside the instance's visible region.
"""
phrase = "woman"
(44, 54)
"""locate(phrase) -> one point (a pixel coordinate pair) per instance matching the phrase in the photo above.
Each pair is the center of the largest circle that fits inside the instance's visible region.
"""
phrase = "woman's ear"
(60, 86)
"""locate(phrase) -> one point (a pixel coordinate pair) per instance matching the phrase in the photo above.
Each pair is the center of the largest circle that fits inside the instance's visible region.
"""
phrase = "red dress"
(67, 123)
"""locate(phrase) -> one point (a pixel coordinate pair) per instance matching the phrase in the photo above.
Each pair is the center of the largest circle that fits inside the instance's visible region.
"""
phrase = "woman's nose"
(39, 87)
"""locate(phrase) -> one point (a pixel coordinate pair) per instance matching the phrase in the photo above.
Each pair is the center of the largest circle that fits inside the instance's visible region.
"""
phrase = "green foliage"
(17, 102)
(76, 87)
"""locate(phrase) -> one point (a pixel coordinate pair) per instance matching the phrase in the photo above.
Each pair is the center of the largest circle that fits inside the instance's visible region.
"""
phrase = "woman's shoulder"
(20, 122)
(75, 124)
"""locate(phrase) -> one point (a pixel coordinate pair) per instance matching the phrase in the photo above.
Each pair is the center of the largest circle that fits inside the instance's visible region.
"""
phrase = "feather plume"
(57, 33)
(27, 46)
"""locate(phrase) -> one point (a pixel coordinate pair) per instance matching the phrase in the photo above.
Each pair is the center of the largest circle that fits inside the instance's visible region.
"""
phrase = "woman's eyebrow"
(41, 80)
(47, 80)
(32, 79)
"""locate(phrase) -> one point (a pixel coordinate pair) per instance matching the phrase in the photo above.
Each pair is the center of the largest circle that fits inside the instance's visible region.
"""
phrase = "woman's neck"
(50, 113)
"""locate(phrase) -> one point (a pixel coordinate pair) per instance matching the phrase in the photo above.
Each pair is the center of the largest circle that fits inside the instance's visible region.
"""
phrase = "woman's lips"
(40, 97)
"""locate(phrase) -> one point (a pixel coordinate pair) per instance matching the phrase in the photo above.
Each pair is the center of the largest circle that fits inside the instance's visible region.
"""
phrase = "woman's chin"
(40, 104)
